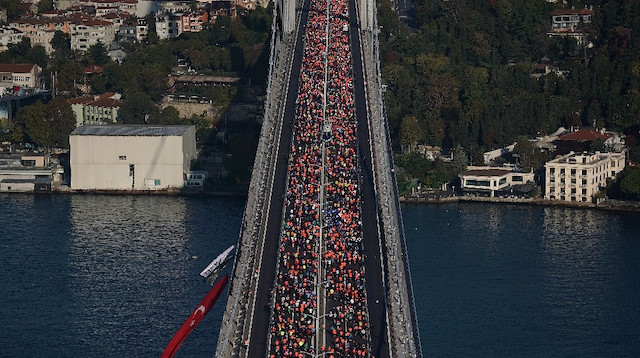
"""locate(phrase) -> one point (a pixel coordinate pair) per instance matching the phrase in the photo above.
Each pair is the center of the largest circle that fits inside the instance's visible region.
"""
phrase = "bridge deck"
(265, 250)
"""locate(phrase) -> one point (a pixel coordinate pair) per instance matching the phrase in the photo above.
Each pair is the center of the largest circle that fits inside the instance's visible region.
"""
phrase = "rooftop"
(486, 172)
(130, 130)
(585, 135)
(16, 67)
(572, 12)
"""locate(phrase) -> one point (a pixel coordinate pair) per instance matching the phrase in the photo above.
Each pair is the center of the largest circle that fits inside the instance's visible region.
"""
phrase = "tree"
(98, 54)
(460, 160)
(61, 42)
(630, 183)
(38, 55)
(14, 10)
(410, 133)
(597, 145)
(138, 108)
(45, 5)
(69, 76)
(62, 120)
(170, 115)
(46, 125)
(34, 123)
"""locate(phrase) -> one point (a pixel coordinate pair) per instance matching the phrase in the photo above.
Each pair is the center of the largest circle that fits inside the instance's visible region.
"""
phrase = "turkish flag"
(207, 302)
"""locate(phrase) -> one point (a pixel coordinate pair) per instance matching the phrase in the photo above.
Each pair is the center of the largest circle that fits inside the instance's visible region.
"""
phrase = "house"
(492, 155)
(222, 8)
(96, 110)
(21, 75)
(579, 176)
(571, 22)
(492, 181)
(131, 157)
(580, 140)
(545, 67)
(9, 36)
(28, 172)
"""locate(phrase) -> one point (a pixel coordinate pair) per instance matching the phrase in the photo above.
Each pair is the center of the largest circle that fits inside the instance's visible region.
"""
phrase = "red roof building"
(579, 141)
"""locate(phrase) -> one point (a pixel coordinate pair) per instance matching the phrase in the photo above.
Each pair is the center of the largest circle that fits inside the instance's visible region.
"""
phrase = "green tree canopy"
(138, 108)
(46, 125)
(630, 184)
(97, 54)
(45, 5)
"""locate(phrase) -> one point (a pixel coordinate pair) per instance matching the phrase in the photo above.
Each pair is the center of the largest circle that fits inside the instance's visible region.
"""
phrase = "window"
(561, 170)
(552, 170)
(584, 172)
(573, 172)
(477, 182)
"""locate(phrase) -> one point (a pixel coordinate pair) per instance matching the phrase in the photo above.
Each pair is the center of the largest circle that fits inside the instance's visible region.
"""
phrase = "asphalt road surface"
(374, 285)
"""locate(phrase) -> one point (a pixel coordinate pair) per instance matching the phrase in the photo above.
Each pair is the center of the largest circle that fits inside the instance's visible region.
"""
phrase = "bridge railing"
(235, 313)
(391, 211)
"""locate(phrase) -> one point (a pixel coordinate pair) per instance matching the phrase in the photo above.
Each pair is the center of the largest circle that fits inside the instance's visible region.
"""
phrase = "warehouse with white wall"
(131, 157)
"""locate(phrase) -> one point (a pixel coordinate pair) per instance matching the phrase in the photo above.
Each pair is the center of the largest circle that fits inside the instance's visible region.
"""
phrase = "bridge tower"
(286, 12)
(366, 13)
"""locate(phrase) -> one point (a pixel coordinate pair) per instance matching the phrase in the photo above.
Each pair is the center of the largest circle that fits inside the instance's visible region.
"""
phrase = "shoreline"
(609, 205)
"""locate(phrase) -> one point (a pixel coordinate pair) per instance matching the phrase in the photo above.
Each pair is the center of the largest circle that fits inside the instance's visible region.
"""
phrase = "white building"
(25, 75)
(96, 109)
(130, 157)
(579, 176)
(168, 25)
(9, 36)
(490, 180)
(88, 32)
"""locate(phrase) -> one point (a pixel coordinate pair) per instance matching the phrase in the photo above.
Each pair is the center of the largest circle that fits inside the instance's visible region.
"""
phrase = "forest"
(462, 76)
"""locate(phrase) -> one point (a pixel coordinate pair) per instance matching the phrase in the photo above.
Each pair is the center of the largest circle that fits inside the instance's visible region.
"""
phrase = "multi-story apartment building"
(168, 25)
(25, 75)
(579, 176)
(88, 32)
(106, 6)
(40, 31)
(133, 30)
(9, 36)
(193, 22)
(98, 109)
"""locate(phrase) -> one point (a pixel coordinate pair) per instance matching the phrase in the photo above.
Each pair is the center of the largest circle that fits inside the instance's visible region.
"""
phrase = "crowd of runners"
(322, 190)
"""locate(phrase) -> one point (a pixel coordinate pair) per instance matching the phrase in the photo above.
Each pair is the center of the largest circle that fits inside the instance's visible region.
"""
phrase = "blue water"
(504, 280)
(115, 276)
(108, 276)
